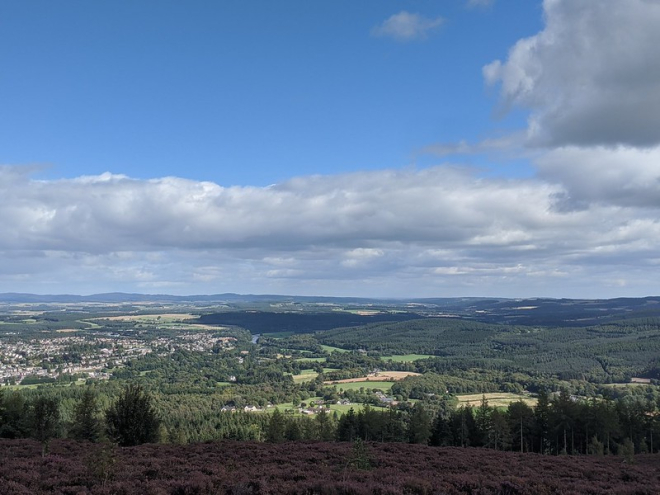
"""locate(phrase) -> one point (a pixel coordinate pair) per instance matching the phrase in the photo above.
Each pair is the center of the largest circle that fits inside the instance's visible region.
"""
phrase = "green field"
(330, 349)
(312, 360)
(305, 376)
(406, 358)
(338, 408)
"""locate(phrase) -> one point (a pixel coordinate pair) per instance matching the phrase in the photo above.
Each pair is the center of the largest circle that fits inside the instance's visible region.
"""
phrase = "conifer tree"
(132, 419)
(86, 422)
(45, 420)
(419, 427)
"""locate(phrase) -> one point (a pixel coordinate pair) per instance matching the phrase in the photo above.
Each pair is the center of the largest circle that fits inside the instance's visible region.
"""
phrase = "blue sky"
(377, 148)
(247, 93)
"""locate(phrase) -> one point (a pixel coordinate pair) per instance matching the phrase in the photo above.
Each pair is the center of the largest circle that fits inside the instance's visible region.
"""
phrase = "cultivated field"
(496, 399)
(152, 318)
(392, 376)
(406, 358)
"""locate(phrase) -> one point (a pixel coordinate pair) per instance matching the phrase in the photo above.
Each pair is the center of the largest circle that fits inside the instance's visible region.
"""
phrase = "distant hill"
(122, 297)
(531, 311)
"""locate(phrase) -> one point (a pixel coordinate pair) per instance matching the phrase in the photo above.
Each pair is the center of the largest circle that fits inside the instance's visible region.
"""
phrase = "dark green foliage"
(520, 417)
(360, 457)
(441, 435)
(276, 428)
(419, 427)
(262, 322)
(132, 418)
(347, 428)
(45, 420)
(86, 422)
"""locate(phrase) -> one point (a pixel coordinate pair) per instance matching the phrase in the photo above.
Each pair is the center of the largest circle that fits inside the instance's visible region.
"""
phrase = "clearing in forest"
(495, 399)
(381, 376)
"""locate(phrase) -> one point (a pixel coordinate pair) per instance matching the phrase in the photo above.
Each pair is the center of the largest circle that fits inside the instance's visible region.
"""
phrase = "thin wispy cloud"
(480, 3)
(406, 26)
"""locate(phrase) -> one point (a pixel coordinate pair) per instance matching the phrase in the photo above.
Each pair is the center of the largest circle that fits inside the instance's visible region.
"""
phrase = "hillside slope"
(309, 468)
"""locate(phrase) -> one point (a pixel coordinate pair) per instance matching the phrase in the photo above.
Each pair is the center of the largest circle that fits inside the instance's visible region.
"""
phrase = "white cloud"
(405, 26)
(591, 77)
(390, 232)
(624, 176)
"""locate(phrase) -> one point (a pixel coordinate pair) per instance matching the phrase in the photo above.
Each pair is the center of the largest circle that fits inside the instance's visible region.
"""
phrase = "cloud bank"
(390, 232)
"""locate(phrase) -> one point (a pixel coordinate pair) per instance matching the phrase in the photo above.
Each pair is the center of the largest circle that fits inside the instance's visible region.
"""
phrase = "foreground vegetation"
(311, 468)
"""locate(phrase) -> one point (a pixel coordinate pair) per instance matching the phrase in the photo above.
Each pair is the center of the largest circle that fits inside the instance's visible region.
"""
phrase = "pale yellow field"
(163, 317)
(379, 377)
(495, 399)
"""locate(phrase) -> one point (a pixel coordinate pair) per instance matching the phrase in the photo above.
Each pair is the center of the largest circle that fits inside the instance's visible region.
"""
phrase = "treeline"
(559, 424)
(131, 419)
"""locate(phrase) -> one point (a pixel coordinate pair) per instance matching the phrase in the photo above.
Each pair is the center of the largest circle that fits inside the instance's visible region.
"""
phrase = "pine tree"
(441, 435)
(276, 427)
(45, 420)
(132, 419)
(419, 427)
(86, 422)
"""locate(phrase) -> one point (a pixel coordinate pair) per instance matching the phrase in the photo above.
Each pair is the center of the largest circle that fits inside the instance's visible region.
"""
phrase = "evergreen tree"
(482, 421)
(499, 435)
(542, 418)
(14, 421)
(132, 419)
(441, 435)
(45, 420)
(276, 427)
(419, 427)
(347, 428)
(520, 417)
(292, 431)
(325, 427)
(86, 422)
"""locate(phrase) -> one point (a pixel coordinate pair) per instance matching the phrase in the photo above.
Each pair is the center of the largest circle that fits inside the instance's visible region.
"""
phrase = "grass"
(329, 349)
(312, 360)
(495, 399)
(406, 358)
(339, 408)
(305, 376)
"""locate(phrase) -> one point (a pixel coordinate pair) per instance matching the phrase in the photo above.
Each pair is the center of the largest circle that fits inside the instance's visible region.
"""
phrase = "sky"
(504, 148)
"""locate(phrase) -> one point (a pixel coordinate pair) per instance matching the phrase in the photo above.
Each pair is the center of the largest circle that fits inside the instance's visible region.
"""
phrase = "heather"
(311, 468)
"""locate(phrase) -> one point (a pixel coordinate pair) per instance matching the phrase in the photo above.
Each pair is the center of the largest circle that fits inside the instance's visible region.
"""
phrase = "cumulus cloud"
(405, 26)
(591, 77)
(625, 177)
(436, 231)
